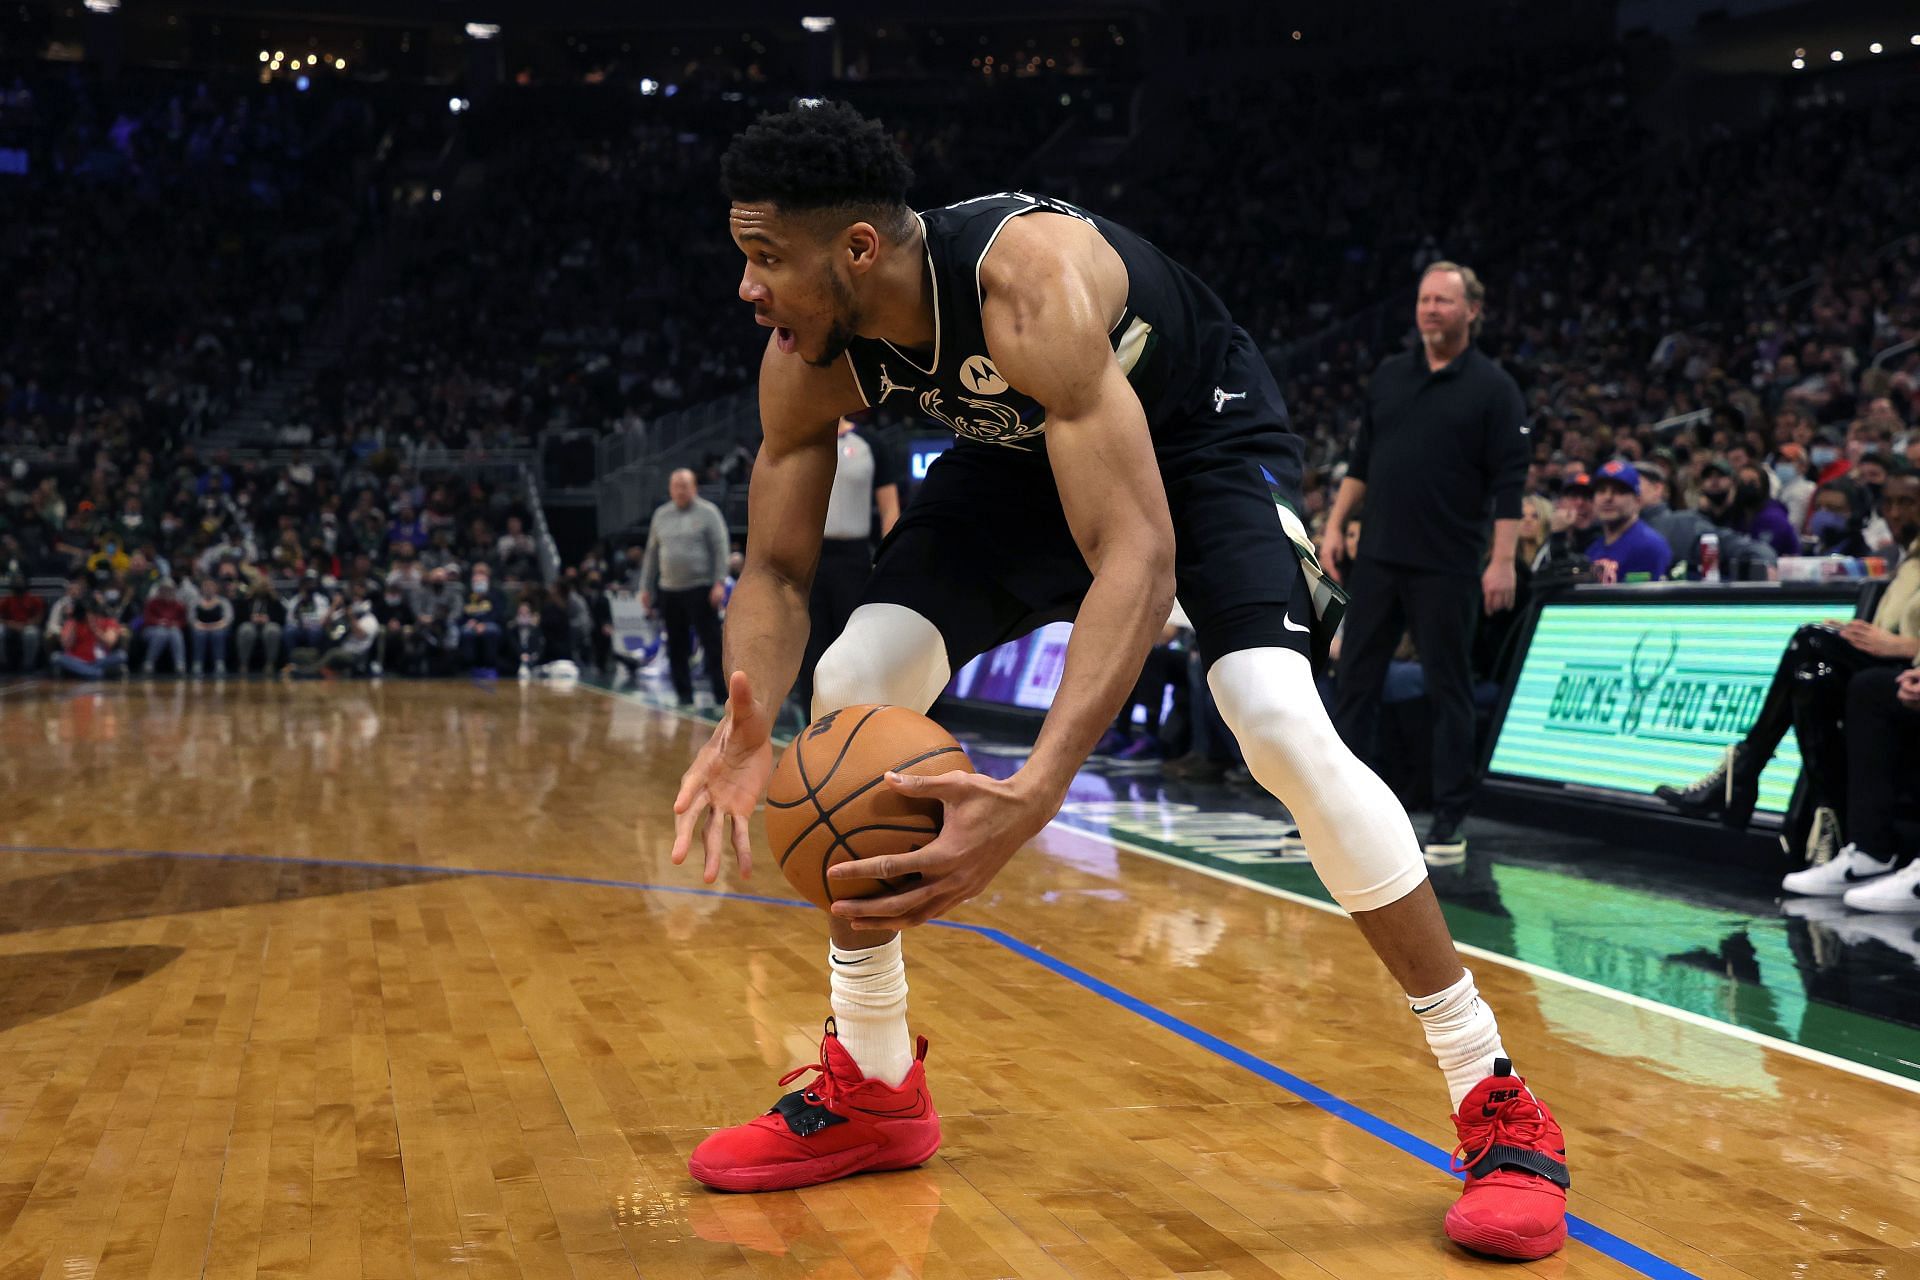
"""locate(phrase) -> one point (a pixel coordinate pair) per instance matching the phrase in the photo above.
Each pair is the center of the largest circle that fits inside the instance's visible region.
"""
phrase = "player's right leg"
(868, 1108)
(935, 599)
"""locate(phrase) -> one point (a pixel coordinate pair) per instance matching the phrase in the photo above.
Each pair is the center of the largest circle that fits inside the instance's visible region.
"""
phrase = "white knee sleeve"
(888, 653)
(1358, 836)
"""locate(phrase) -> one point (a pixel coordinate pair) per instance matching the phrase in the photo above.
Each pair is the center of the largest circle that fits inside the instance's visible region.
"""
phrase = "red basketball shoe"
(1515, 1159)
(840, 1124)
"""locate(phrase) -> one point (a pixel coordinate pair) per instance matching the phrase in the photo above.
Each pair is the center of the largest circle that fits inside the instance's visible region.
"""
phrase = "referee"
(865, 482)
(1444, 444)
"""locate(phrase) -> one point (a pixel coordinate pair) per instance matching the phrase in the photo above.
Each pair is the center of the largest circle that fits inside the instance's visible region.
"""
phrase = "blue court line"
(1595, 1237)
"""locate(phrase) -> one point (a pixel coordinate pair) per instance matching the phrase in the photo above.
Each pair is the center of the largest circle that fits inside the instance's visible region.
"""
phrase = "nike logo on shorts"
(1287, 622)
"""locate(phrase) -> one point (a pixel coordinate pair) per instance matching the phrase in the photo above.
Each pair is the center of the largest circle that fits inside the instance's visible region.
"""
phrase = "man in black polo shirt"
(1444, 445)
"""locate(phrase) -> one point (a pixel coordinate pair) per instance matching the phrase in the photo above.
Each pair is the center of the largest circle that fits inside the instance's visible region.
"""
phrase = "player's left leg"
(1259, 609)
(1363, 849)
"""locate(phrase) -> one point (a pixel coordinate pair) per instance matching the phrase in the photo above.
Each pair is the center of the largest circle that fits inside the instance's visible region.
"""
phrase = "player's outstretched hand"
(986, 822)
(725, 784)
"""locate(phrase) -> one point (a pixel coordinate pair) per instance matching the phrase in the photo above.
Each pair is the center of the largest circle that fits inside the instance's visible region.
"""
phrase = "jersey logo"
(981, 420)
(1220, 398)
(888, 386)
(981, 377)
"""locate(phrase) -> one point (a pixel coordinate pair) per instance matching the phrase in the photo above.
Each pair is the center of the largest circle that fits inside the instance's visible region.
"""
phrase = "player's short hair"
(1470, 281)
(819, 155)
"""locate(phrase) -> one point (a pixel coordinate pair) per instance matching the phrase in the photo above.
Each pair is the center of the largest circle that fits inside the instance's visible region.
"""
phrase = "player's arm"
(1046, 314)
(1051, 292)
(766, 628)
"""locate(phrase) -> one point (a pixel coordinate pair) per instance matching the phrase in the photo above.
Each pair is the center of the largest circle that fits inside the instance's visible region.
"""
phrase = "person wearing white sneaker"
(1849, 868)
(1882, 733)
(1897, 891)
(1883, 737)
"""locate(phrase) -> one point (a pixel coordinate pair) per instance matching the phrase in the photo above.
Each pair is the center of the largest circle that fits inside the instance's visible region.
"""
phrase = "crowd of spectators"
(208, 567)
(168, 242)
(588, 281)
(1729, 280)
(584, 281)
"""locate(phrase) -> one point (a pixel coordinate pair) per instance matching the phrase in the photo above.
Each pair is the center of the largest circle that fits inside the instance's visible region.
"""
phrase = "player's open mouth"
(783, 336)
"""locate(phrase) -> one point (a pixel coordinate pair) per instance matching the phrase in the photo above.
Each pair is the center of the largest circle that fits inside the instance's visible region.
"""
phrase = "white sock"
(1462, 1034)
(870, 1009)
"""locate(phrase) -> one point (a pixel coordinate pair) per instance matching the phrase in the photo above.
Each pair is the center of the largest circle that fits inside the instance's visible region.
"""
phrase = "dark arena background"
(378, 416)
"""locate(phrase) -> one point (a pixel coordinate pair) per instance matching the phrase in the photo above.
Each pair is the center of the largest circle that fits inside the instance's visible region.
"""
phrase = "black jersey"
(1171, 341)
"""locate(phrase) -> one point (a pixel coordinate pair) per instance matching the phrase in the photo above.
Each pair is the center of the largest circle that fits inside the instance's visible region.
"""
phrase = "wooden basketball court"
(303, 980)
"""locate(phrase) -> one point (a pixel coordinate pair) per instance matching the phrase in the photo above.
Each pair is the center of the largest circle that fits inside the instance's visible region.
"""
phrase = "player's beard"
(846, 322)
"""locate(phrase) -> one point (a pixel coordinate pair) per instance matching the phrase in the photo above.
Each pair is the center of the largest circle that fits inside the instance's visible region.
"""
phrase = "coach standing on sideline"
(1444, 443)
(685, 571)
(865, 482)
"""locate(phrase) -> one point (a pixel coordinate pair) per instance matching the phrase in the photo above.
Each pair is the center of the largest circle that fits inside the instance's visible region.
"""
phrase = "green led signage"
(1627, 696)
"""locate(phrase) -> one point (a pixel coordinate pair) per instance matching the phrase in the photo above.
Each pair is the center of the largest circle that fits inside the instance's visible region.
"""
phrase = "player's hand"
(1877, 642)
(987, 820)
(717, 596)
(1332, 550)
(725, 784)
(1497, 586)
(1909, 688)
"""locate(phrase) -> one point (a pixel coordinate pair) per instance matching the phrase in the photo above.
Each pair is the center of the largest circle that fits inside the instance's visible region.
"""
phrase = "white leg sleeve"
(888, 653)
(1358, 836)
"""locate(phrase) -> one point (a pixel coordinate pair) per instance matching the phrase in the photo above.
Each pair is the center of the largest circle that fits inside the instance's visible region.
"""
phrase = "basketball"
(829, 800)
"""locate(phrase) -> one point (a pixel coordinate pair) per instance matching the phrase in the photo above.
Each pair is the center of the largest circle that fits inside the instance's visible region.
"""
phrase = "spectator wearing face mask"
(439, 595)
(1829, 462)
(481, 615)
(307, 614)
(1742, 506)
(1839, 515)
(1766, 516)
(1796, 489)
(398, 644)
(1871, 473)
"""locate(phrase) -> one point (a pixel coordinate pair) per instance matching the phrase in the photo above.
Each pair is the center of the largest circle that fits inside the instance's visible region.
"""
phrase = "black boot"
(1729, 792)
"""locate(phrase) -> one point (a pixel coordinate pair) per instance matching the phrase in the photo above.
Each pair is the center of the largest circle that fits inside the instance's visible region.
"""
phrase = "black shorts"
(984, 552)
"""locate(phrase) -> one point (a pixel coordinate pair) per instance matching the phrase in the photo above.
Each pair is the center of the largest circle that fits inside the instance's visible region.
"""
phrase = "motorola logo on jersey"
(981, 377)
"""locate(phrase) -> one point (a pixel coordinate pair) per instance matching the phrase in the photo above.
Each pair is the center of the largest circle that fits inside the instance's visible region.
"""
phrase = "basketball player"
(1119, 440)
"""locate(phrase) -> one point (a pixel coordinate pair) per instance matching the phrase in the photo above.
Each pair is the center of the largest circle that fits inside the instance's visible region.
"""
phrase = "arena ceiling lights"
(1799, 62)
(482, 30)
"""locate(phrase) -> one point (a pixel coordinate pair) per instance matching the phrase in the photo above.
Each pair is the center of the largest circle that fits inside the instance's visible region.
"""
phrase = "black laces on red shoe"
(1513, 1137)
(824, 1092)
(1517, 1122)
